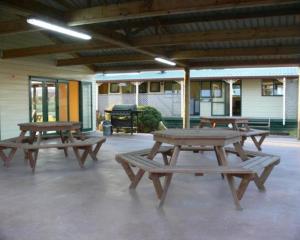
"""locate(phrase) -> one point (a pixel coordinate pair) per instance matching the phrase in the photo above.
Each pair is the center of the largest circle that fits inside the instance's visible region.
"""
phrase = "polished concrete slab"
(62, 201)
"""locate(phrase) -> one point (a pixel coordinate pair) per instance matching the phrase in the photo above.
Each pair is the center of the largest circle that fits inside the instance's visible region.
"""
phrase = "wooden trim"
(155, 8)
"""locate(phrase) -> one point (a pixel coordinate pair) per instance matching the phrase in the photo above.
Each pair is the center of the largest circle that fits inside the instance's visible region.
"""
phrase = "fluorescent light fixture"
(57, 28)
(165, 61)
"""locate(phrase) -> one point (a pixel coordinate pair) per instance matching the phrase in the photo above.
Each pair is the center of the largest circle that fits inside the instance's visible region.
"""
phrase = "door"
(49, 100)
(86, 97)
(236, 98)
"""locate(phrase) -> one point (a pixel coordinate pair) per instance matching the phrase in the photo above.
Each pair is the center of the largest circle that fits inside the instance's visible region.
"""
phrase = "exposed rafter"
(205, 64)
(184, 55)
(162, 40)
(109, 38)
(154, 8)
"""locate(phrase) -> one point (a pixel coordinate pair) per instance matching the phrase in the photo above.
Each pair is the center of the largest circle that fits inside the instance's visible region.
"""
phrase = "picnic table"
(238, 123)
(258, 168)
(32, 143)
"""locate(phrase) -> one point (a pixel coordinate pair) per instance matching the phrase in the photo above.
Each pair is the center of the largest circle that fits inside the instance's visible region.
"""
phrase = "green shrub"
(149, 119)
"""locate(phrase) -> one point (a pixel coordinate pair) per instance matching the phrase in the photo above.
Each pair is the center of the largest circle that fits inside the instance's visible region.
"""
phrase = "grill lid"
(124, 107)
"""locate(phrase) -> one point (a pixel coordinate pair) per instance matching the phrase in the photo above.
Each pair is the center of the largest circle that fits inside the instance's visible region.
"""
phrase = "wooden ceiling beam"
(154, 8)
(53, 49)
(209, 18)
(184, 55)
(162, 40)
(247, 63)
(173, 39)
(148, 67)
(16, 26)
(32, 7)
(203, 65)
(217, 36)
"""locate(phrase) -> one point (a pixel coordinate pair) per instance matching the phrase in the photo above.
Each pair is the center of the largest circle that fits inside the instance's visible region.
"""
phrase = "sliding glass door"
(49, 100)
(59, 100)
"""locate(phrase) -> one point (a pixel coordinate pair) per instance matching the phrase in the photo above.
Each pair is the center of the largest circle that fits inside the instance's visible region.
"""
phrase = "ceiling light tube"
(165, 61)
(57, 28)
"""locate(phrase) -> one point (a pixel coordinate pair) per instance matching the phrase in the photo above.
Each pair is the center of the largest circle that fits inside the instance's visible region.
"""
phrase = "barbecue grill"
(123, 115)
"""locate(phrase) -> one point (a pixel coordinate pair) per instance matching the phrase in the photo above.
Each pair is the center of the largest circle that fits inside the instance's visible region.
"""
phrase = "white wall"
(257, 106)
(14, 95)
(291, 99)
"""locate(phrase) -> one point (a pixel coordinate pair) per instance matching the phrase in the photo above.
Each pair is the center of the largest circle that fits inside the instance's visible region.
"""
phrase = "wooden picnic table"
(238, 123)
(234, 121)
(42, 127)
(256, 166)
(215, 138)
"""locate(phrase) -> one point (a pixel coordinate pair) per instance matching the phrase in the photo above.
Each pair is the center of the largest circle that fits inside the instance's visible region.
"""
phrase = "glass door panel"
(63, 101)
(86, 105)
(37, 101)
(50, 89)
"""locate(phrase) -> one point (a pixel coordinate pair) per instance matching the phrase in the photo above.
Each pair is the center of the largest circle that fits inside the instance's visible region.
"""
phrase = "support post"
(230, 82)
(283, 100)
(298, 117)
(186, 96)
(230, 97)
(137, 93)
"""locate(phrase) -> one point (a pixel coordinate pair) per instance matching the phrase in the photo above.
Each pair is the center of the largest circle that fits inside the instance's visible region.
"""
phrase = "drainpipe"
(283, 100)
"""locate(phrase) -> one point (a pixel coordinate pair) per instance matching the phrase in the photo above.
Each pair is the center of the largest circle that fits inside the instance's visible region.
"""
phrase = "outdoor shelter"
(55, 57)
(128, 35)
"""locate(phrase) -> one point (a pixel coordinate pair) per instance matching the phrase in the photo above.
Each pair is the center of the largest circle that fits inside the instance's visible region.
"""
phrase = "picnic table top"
(194, 136)
(225, 118)
(49, 126)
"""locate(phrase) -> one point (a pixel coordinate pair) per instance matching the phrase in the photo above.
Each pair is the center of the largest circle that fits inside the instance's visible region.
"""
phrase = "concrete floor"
(62, 201)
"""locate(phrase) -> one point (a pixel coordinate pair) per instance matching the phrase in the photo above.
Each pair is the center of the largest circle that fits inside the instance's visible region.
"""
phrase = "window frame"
(119, 88)
(273, 88)
(146, 83)
(151, 83)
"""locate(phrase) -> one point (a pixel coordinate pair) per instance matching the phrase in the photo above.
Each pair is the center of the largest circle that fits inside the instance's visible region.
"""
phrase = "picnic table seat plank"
(246, 170)
(11, 145)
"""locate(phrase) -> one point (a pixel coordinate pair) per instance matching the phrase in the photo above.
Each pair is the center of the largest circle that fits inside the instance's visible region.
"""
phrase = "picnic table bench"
(255, 169)
(89, 146)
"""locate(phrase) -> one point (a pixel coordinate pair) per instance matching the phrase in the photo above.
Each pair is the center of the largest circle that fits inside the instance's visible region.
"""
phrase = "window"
(216, 88)
(154, 86)
(272, 88)
(114, 88)
(129, 88)
(205, 89)
(143, 87)
(103, 88)
(236, 89)
(172, 87)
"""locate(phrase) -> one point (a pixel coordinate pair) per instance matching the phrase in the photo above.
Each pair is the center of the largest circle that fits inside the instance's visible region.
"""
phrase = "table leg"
(141, 172)
(230, 179)
(7, 158)
(168, 177)
(239, 149)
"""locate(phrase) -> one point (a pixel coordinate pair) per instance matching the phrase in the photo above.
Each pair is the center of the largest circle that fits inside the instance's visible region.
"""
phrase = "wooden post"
(186, 102)
(230, 97)
(137, 93)
(298, 117)
(283, 100)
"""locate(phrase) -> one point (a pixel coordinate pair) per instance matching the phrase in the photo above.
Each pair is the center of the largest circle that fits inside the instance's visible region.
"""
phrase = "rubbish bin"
(106, 128)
